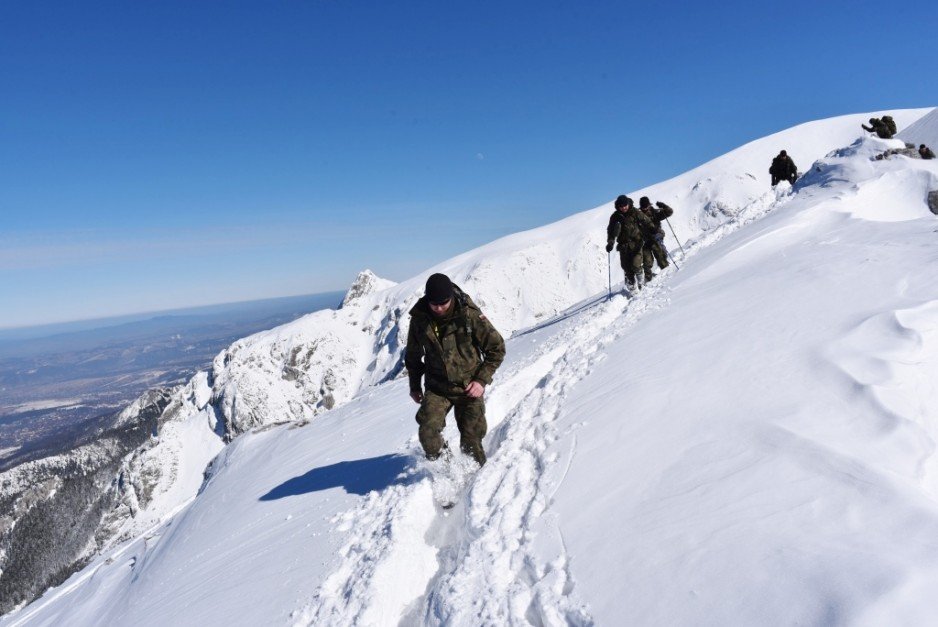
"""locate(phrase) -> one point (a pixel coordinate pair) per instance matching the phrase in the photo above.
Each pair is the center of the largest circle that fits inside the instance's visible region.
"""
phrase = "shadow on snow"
(573, 310)
(356, 477)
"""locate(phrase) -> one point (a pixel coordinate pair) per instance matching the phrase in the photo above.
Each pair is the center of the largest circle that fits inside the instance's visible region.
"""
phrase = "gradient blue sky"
(169, 154)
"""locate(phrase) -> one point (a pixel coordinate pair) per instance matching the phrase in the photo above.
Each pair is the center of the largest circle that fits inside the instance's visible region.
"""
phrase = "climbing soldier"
(925, 152)
(653, 249)
(884, 128)
(891, 125)
(456, 350)
(783, 169)
(626, 230)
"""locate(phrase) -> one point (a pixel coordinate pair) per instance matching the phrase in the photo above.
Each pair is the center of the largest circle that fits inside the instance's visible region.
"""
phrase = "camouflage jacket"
(879, 127)
(657, 215)
(629, 229)
(453, 350)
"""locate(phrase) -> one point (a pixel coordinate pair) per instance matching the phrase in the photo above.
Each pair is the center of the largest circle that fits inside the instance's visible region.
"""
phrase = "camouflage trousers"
(652, 252)
(470, 419)
(631, 260)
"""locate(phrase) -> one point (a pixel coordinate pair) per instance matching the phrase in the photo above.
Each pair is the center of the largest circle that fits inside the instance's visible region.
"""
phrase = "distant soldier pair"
(885, 127)
(638, 236)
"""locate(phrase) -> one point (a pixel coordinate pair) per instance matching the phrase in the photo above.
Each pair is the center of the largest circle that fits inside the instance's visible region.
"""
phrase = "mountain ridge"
(709, 206)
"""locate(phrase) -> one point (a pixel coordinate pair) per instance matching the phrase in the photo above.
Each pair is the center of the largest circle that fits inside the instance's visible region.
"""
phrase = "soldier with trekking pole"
(626, 231)
(654, 248)
(639, 238)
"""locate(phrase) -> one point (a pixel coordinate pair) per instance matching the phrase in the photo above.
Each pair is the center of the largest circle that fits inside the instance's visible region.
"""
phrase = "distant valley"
(59, 385)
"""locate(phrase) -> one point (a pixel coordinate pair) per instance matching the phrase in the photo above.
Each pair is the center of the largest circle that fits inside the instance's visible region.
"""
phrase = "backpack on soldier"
(466, 303)
(890, 124)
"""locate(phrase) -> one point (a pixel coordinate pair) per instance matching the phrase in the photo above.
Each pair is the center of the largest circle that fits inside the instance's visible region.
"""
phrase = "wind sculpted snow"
(750, 440)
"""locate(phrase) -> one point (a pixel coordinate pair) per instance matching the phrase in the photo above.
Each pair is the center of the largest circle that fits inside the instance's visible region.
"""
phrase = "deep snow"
(751, 440)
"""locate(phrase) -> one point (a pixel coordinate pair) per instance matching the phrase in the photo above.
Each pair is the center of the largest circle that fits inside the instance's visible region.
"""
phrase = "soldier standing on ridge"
(628, 227)
(925, 152)
(783, 169)
(654, 249)
(453, 346)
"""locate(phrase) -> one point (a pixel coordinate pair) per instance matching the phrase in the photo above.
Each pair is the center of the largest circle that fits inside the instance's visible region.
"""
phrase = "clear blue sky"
(169, 154)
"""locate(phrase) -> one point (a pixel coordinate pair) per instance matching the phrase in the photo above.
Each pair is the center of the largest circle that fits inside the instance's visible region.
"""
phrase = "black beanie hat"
(644, 202)
(622, 201)
(439, 289)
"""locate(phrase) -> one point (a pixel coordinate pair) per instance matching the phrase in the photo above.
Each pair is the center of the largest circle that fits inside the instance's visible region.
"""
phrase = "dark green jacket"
(629, 229)
(454, 350)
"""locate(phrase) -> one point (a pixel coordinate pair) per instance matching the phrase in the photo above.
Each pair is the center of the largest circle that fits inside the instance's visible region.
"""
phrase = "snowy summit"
(365, 284)
(749, 440)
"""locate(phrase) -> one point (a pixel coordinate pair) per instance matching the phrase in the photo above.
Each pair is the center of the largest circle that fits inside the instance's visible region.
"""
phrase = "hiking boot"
(444, 452)
(475, 451)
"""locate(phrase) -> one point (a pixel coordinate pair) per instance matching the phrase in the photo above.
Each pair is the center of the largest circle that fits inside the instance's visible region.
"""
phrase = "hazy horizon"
(24, 332)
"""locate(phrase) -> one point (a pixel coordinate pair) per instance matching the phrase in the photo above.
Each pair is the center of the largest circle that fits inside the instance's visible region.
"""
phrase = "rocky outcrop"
(366, 283)
(303, 368)
(909, 151)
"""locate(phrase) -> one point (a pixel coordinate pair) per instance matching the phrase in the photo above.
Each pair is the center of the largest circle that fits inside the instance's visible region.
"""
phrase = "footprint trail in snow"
(494, 558)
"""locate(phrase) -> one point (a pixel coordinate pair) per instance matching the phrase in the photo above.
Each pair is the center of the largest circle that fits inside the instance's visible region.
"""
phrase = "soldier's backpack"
(890, 124)
(466, 302)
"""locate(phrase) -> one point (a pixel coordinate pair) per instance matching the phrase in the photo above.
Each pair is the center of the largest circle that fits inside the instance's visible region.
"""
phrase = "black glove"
(660, 204)
(609, 247)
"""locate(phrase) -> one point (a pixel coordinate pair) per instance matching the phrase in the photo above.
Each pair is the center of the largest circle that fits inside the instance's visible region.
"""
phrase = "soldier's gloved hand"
(417, 395)
(609, 247)
(660, 204)
(475, 390)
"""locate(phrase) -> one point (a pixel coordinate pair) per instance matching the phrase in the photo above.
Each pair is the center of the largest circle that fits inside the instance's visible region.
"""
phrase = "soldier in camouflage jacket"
(628, 228)
(454, 348)
(654, 249)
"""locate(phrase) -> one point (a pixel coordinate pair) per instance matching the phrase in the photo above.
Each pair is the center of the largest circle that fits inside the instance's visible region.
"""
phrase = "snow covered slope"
(750, 441)
(300, 369)
(923, 131)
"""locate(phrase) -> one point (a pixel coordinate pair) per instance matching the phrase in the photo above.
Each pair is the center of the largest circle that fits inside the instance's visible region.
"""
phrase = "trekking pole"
(671, 257)
(609, 265)
(683, 254)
